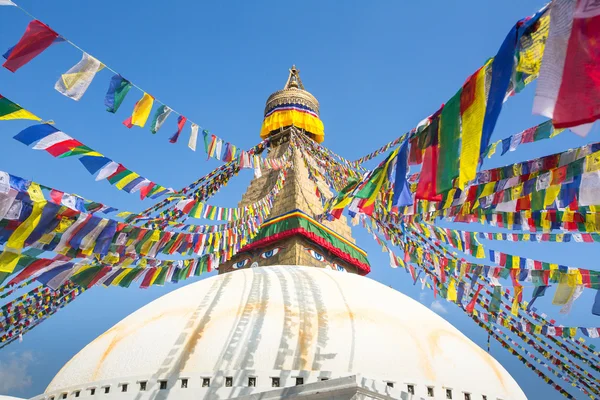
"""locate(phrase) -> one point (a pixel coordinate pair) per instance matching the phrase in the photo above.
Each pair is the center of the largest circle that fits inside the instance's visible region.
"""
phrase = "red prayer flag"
(471, 306)
(99, 275)
(37, 38)
(578, 100)
(147, 278)
(56, 196)
(146, 189)
(426, 187)
(180, 123)
(62, 147)
(128, 122)
(30, 270)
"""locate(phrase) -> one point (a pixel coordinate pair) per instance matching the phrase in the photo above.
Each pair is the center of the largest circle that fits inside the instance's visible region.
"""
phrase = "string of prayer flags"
(7, 3)
(379, 151)
(10, 110)
(117, 90)
(180, 123)
(160, 116)
(141, 112)
(37, 38)
(41, 309)
(74, 83)
(569, 67)
(502, 71)
(543, 131)
(76, 80)
(61, 145)
(543, 237)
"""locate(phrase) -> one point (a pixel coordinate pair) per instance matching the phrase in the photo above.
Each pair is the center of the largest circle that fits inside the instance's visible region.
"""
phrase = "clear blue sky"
(377, 69)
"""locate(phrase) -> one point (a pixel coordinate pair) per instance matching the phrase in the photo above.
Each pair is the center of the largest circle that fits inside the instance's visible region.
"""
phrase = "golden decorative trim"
(293, 93)
(292, 96)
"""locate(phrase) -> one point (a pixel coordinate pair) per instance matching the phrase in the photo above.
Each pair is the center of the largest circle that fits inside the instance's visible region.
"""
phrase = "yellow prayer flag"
(120, 277)
(566, 287)
(141, 111)
(551, 195)
(472, 126)
(452, 291)
(9, 260)
(493, 148)
(128, 179)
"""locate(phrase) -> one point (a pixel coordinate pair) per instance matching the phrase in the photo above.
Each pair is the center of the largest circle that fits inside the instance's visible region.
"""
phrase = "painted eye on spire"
(338, 267)
(316, 256)
(270, 253)
(241, 264)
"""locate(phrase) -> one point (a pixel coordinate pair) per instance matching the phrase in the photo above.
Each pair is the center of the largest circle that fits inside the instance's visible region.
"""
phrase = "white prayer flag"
(193, 137)
(75, 81)
(51, 140)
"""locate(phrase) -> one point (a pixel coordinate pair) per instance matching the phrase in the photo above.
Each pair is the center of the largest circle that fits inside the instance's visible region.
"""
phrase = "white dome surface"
(291, 318)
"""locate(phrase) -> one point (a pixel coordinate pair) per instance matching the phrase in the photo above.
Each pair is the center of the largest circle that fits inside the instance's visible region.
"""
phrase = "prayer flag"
(56, 276)
(10, 110)
(371, 188)
(578, 100)
(117, 90)
(141, 112)
(596, 306)
(343, 198)
(34, 133)
(402, 196)
(160, 116)
(180, 123)
(218, 148)
(76, 80)
(7, 3)
(502, 71)
(472, 110)
(107, 170)
(193, 137)
(589, 188)
(426, 187)
(37, 38)
(94, 163)
(554, 62)
(449, 143)
(211, 146)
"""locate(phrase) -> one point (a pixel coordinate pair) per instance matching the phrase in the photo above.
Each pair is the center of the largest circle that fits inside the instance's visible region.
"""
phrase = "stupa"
(290, 316)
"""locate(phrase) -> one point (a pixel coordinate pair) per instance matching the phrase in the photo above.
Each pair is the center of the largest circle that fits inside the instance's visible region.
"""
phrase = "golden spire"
(292, 93)
(294, 80)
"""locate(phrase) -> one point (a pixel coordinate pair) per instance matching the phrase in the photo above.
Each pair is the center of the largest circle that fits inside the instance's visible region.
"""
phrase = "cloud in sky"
(438, 307)
(14, 371)
(422, 297)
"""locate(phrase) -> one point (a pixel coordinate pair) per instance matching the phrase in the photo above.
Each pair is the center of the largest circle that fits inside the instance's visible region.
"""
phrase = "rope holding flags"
(74, 83)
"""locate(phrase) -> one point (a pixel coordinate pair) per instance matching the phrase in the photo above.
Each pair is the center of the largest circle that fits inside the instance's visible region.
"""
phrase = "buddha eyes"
(316, 256)
(241, 264)
(339, 267)
(270, 253)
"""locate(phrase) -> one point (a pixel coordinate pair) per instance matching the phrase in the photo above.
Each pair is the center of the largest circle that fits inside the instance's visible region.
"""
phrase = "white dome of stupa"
(250, 330)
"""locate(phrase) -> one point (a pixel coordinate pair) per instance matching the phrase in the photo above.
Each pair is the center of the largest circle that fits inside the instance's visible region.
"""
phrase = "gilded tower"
(292, 235)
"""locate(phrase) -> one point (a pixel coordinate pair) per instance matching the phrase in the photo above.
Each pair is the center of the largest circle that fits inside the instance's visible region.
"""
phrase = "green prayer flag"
(449, 142)
(160, 116)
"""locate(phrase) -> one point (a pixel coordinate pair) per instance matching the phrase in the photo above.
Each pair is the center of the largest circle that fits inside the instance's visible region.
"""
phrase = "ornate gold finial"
(294, 80)
(292, 93)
